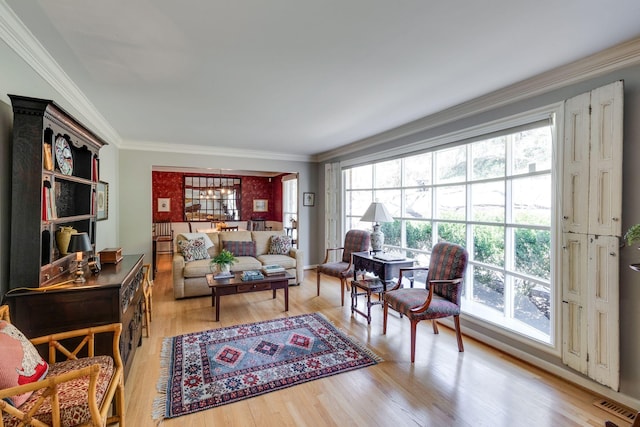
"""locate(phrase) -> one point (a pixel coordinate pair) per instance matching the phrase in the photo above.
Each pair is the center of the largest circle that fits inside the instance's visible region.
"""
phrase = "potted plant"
(632, 235)
(224, 260)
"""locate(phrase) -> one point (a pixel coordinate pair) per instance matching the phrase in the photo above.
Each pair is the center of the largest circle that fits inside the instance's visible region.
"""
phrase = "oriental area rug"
(207, 369)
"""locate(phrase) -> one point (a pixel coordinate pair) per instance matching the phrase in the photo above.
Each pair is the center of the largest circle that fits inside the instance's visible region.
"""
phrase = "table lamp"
(79, 243)
(377, 213)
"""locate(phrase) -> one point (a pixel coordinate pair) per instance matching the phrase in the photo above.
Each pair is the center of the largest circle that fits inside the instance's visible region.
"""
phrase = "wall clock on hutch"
(63, 155)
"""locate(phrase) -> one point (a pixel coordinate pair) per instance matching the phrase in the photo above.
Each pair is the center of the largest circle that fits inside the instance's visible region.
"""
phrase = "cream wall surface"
(134, 196)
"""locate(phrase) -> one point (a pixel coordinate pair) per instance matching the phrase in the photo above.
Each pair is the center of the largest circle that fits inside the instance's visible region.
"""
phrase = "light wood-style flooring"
(480, 387)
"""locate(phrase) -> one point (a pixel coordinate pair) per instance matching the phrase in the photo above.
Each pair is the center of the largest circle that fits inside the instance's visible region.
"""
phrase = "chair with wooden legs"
(440, 299)
(354, 241)
(147, 292)
(78, 391)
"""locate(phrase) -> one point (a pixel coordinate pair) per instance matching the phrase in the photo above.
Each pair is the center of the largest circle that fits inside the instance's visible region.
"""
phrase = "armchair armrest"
(401, 274)
(425, 305)
(326, 257)
(54, 344)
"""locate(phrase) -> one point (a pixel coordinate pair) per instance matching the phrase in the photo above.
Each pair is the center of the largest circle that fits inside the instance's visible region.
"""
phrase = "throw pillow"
(193, 249)
(240, 248)
(20, 362)
(280, 245)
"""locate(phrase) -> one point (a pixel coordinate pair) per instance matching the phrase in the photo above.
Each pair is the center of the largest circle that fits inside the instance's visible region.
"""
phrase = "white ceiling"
(303, 77)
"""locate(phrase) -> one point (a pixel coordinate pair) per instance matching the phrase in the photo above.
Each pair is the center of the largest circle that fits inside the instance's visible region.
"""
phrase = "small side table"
(385, 271)
(368, 286)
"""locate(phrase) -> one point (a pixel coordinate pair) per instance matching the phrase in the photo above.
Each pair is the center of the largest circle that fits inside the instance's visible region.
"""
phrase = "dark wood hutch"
(55, 171)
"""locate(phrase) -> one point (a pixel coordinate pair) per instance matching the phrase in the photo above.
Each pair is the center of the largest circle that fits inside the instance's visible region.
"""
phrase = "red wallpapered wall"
(170, 185)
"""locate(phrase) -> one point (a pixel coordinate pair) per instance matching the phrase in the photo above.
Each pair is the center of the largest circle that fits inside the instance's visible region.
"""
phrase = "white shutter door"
(605, 202)
(332, 206)
(603, 302)
(574, 322)
(575, 207)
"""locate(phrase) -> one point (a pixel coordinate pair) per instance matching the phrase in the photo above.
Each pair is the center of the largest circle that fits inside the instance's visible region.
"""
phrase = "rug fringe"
(361, 346)
(159, 408)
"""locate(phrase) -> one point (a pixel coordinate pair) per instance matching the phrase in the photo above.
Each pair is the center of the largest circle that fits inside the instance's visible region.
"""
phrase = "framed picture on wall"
(102, 200)
(260, 205)
(164, 205)
(308, 199)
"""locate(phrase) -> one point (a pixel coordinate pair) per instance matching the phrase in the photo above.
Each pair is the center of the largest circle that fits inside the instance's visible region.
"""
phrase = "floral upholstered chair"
(440, 299)
(354, 241)
(77, 391)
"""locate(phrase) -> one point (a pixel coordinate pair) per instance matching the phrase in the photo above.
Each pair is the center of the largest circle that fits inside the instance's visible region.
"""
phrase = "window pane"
(359, 177)
(532, 200)
(390, 199)
(533, 252)
(417, 203)
(488, 245)
(488, 288)
(417, 170)
(451, 202)
(357, 202)
(451, 165)
(387, 174)
(454, 233)
(532, 150)
(533, 305)
(391, 232)
(419, 235)
(487, 202)
(488, 158)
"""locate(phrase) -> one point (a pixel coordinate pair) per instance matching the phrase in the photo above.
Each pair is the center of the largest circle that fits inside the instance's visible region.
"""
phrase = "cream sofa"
(189, 277)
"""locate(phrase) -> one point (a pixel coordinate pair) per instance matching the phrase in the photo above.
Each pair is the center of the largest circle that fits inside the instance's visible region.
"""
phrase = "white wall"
(134, 194)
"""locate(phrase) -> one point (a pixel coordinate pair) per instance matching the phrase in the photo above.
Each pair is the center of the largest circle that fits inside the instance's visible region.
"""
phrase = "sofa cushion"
(280, 245)
(246, 263)
(194, 249)
(263, 239)
(281, 260)
(239, 248)
(20, 362)
(198, 268)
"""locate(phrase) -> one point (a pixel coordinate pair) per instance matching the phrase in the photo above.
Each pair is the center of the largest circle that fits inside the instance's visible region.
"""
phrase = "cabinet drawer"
(254, 287)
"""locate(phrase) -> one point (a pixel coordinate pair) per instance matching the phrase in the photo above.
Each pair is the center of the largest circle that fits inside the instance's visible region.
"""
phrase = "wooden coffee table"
(235, 285)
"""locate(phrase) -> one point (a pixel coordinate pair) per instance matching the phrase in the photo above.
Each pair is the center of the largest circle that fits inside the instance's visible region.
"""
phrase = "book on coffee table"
(252, 275)
(272, 269)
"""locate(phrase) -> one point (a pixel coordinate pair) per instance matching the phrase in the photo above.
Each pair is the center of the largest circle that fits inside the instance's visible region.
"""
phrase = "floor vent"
(616, 409)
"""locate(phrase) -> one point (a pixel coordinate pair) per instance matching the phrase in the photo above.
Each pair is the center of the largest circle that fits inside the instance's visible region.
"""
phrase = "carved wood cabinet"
(113, 295)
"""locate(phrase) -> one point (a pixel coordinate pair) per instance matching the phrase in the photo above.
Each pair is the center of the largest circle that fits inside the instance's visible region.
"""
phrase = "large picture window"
(492, 194)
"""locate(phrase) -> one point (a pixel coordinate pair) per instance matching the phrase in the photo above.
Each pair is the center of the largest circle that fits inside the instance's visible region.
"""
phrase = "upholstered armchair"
(354, 241)
(78, 391)
(440, 299)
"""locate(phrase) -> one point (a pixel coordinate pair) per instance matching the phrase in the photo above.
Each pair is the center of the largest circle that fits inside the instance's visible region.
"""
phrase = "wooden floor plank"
(480, 387)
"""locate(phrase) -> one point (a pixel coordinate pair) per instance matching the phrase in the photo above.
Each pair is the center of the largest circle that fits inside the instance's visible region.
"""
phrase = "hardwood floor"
(480, 387)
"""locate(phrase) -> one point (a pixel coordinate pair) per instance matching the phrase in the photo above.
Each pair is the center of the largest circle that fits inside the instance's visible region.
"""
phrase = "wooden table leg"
(213, 297)
(286, 296)
(217, 307)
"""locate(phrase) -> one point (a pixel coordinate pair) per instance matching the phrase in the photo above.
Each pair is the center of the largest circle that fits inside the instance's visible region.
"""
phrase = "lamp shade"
(377, 213)
(79, 242)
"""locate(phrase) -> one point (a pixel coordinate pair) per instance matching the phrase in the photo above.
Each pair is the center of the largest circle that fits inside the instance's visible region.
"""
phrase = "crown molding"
(617, 57)
(18, 37)
(212, 151)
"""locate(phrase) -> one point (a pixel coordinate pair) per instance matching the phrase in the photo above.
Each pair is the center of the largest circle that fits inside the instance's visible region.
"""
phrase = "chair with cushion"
(440, 299)
(78, 391)
(354, 241)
